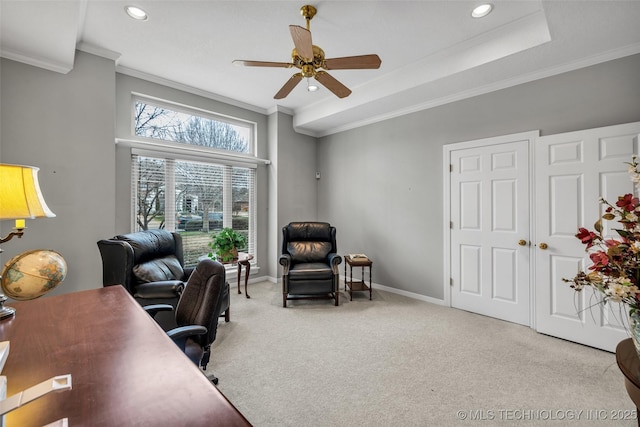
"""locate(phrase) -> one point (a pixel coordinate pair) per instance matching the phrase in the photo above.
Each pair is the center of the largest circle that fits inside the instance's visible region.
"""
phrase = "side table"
(359, 285)
(244, 259)
(629, 364)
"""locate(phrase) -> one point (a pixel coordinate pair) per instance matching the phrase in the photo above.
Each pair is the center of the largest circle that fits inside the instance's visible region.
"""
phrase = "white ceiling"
(432, 51)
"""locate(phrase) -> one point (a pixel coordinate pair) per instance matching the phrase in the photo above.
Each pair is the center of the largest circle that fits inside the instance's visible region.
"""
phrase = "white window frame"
(169, 150)
(194, 111)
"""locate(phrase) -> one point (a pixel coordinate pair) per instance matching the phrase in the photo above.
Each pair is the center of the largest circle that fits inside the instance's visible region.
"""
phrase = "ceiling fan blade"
(302, 40)
(353, 62)
(288, 86)
(262, 63)
(340, 90)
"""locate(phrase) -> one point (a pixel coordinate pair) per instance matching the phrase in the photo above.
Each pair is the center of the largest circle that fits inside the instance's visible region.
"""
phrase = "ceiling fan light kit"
(311, 87)
(311, 62)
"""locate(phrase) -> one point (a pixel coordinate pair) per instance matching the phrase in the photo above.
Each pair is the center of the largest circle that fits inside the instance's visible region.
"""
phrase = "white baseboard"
(409, 294)
(375, 287)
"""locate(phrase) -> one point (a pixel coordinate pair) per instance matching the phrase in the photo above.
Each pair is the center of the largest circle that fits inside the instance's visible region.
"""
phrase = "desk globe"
(32, 274)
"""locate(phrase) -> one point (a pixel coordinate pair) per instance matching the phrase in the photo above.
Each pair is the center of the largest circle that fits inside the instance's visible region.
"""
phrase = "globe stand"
(5, 312)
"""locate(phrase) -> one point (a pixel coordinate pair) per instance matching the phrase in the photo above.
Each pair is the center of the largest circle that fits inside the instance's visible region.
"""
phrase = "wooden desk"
(629, 364)
(125, 370)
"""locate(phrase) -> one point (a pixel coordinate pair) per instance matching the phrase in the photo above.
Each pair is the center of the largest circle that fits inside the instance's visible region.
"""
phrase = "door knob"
(522, 242)
(543, 246)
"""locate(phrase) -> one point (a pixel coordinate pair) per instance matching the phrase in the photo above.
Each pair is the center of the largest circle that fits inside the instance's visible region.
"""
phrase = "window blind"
(194, 198)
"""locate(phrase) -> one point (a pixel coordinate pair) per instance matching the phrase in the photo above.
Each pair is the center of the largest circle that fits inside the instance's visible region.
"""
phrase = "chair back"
(142, 257)
(201, 302)
(308, 241)
(152, 244)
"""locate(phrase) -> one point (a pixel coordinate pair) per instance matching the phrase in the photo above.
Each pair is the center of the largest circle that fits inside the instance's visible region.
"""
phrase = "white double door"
(492, 212)
(489, 227)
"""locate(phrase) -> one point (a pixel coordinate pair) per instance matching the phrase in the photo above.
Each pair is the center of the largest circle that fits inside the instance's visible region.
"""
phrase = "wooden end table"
(244, 259)
(629, 365)
(359, 285)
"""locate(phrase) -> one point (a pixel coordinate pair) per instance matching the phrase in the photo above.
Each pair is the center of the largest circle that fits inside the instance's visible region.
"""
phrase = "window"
(156, 121)
(193, 195)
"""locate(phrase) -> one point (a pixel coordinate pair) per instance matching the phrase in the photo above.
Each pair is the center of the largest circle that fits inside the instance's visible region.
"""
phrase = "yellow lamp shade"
(20, 195)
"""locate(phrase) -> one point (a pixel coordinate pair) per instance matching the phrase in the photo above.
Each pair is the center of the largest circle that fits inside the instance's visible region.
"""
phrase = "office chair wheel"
(213, 379)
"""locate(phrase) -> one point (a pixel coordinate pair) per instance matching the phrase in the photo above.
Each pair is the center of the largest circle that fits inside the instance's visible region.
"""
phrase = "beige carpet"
(396, 361)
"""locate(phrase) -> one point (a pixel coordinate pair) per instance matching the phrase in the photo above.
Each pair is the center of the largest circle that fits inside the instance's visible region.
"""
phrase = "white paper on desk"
(4, 353)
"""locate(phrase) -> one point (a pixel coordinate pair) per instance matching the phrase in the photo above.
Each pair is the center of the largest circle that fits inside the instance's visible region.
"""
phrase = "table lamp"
(20, 198)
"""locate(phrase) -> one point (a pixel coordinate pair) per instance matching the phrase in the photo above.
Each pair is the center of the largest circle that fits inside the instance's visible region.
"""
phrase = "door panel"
(489, 192)
(572, 171)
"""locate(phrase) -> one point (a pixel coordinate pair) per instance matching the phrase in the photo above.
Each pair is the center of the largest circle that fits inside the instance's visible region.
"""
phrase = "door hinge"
(450, 224)
(451, 167)
(450, 281)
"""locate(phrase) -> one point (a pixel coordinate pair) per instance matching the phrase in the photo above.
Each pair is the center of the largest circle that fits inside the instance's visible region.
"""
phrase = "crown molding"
(47, 64)
(610, 55)
(99, 51)
(189, 89)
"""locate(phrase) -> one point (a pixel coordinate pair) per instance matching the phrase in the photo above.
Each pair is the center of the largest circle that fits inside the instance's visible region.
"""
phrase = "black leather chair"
(150, 265)
(309, 261)
(196, 315)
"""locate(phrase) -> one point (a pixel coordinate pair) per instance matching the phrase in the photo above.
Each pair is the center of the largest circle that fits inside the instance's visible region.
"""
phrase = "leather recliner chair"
(309, 261)
(150, 265)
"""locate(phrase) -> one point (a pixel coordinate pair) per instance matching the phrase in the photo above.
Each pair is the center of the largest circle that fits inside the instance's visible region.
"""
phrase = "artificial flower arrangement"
(615, 271)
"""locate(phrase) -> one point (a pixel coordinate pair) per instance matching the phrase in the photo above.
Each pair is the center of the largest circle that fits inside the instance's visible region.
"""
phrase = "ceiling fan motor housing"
(317, 62)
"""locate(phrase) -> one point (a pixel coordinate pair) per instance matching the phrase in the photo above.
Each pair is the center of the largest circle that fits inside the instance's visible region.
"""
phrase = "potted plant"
(225, 244)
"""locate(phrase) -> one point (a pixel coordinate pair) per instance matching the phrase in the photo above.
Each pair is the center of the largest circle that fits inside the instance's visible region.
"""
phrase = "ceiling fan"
(310, 60)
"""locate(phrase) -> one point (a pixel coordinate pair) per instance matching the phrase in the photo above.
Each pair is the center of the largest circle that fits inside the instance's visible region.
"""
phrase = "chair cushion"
(193, 350)
(305, 231)
(309, 251)
(149, 244)
(160, 269)
(310, 271)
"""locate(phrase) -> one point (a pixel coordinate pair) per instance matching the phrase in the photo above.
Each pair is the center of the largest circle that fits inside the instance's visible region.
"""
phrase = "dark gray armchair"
(309, 261)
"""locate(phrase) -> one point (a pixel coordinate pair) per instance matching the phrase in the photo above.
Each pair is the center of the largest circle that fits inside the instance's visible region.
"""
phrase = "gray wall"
(382, 185)
(66, 124)
(295, 195)
(63, 124)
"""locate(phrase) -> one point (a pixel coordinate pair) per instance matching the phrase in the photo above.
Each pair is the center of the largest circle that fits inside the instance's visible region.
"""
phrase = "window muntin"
(160, 121)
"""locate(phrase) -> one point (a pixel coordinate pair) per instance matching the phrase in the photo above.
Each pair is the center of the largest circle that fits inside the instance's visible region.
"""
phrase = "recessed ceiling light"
(136, 13)
(482, 10)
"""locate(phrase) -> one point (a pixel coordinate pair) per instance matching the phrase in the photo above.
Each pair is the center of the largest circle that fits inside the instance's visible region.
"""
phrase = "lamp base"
(5, 312)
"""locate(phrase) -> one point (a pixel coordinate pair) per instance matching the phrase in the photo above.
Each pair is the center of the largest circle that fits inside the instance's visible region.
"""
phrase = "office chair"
(197, 312)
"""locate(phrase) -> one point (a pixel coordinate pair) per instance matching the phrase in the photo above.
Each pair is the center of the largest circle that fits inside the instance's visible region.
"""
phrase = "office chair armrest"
(186, 331)
(154, 309)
